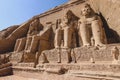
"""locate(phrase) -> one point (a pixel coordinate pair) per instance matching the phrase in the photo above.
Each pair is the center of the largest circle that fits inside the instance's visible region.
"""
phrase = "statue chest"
(87, 21)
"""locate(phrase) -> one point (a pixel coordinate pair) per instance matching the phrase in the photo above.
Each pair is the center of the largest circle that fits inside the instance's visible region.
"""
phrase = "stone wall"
(110, 10)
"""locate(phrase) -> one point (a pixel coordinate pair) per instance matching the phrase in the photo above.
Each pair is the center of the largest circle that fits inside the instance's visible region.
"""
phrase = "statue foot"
(59, 62)
(86, 45)
(27, 51)
(57, 47)
(20, 61)
(75, 61)
(65, 47)
(69, 61)
(100, 44)
(35, 64)
(45, 62)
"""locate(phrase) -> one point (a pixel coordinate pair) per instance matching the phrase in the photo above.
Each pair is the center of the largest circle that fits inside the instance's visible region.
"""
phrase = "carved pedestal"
(57, 55)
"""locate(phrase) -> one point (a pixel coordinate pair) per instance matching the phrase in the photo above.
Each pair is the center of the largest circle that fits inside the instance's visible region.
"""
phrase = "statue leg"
(22, 58)
(84, 34)
(59, 55)
(45, 60)
(28, 42)
(69, 55)
(73, 55)
(21, 45)
(34, 44)
(67, 37)
(43, 45)
(17, 45)
(97, 34)
(58, 38)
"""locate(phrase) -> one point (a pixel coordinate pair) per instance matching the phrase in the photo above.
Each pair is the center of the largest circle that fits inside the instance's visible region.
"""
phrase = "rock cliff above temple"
(6, 32)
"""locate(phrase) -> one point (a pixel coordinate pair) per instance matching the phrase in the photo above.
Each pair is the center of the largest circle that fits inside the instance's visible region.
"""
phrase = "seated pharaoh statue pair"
(74, 32)
(70, 32)
(65, 34)
(89, 28)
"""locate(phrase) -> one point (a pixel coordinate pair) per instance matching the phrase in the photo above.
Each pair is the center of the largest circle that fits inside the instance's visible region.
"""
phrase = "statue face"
(86, 10)
(36, 20)
(59, 21)
(65, 19)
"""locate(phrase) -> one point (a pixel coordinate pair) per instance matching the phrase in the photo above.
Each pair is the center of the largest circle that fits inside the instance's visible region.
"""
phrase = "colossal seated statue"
(34, 29)
(25, 43)
(90, 28)
(44, 41)
(39, 42)
(65, 35)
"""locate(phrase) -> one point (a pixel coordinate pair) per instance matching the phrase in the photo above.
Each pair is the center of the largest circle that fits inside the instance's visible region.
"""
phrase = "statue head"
(65, 19)
(35, 26)
(58, 22)
(70, 17)
(69, 14)
(37, 21)
(86, 10)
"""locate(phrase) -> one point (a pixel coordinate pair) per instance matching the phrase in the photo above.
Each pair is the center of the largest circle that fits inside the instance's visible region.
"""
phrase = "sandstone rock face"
(109, 10)
(6, 32)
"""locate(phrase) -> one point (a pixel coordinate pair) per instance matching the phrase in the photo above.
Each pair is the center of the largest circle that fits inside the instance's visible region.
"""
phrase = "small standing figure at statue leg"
(115, 54)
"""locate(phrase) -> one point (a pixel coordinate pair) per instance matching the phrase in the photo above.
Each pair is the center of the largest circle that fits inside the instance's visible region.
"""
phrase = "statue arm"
(79, 22)
(101, 24)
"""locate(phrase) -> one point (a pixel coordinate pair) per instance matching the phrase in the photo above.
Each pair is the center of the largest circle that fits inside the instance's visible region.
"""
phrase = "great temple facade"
(82, 35)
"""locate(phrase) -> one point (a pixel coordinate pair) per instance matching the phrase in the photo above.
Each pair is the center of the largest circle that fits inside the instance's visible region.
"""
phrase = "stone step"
(28, 69)
(24, 64)
(95, 74)
(98, 71)
(5, 65)
(106, 66)
(86, 66)
(6, 71)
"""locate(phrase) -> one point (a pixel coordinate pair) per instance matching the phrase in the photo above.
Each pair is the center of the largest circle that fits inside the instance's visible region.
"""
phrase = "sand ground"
(45, 76)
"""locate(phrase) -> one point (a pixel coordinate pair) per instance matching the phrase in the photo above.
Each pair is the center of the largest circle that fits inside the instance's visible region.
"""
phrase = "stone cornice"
(59, 8)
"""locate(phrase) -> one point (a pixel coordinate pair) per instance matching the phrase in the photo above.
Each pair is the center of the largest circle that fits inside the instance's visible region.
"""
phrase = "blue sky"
(13, 12)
